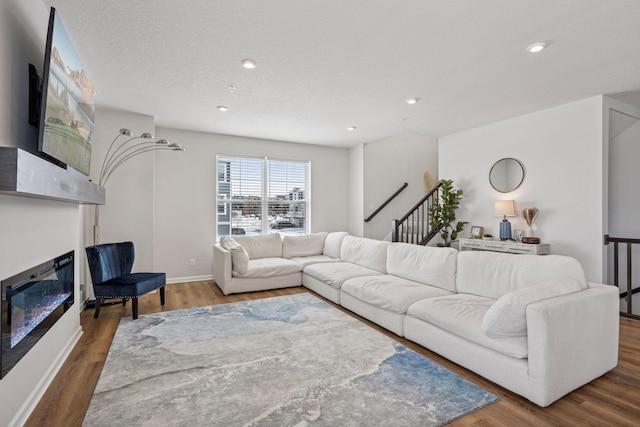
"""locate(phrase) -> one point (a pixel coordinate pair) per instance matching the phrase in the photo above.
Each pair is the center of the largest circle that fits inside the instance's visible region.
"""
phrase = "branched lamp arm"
(123, 152)
(137, 151)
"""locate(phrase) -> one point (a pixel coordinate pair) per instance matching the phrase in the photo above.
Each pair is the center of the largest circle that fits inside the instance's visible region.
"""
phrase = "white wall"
(622, 135)
(31, 230)
(561, 150)
(388, 164)
(356, 191)
(185, 194)
(127, 214)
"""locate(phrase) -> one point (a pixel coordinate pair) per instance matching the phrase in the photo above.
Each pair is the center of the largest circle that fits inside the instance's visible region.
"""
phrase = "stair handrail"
(417, 209)
(628, 294)
(417, 205)
(386, 202)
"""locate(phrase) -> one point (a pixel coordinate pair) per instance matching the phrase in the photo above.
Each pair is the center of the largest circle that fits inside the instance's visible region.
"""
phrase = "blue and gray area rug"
(285, 361)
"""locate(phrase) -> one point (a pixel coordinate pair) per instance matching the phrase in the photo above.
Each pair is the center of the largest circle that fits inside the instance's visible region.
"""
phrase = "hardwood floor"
(613, 399)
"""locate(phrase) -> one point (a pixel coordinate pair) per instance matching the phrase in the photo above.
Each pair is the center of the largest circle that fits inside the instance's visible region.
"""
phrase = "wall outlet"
(192, 262)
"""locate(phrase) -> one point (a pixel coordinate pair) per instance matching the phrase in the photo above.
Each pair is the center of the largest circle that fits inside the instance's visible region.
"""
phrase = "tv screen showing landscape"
(68, 102)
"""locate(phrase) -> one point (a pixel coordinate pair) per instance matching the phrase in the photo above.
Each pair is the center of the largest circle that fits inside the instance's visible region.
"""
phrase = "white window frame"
(264, 200)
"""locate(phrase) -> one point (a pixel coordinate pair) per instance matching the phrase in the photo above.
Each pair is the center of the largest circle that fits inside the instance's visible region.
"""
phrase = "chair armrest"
(222, 268)
(572, 340)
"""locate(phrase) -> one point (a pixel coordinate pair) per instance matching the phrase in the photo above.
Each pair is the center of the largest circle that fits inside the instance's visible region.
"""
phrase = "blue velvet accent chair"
(110, 266)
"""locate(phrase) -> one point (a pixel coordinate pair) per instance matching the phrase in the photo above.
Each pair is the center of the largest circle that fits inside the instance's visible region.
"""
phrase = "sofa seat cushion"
(304, 261)
(307, 245)
(335, 274)
(425, 264)
(462, 315)
(268, 267)
(390, 292)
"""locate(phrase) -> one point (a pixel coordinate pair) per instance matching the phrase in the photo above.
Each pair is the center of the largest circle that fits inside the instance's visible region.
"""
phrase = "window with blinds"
(261, 195)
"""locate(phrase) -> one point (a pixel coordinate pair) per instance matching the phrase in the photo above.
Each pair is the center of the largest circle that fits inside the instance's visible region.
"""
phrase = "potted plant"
(442, 213)
(487, 236)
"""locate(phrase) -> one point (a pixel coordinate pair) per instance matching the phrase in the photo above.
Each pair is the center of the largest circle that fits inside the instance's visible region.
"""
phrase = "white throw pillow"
(239, 256)
(507, 316)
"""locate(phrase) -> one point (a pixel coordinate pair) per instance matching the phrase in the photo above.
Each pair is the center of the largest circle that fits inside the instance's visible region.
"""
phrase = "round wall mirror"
(506, 175)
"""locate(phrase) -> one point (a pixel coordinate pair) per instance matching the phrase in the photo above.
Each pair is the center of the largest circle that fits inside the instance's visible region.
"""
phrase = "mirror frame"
(515, 186)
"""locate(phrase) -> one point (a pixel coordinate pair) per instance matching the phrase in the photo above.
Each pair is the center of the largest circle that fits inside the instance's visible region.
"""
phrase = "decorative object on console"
(443, 212)
(531, 240)
(505, 208)
(487, 236)
(518, 235)
(123, 152)
(530, 215)
(476, 232)
(429, 182)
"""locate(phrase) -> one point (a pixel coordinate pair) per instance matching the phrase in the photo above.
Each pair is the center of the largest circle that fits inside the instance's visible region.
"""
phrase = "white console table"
(507, 246)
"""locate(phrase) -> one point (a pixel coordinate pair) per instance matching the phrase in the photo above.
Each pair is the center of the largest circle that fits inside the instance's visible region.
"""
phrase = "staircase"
(414, 227)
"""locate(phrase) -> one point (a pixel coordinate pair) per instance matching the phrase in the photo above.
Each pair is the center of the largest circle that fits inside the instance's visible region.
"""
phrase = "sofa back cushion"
(423, 264)
(307, 245)
(266, 246)
(365, 252)
(493, 274)
(333, 243)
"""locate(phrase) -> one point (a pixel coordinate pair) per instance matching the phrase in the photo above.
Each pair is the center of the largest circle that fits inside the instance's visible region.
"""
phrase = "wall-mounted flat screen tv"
(67, 107)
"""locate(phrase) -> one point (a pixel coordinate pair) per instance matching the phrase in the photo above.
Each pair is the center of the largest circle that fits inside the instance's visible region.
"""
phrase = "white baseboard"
(32, 401)
(189, 279)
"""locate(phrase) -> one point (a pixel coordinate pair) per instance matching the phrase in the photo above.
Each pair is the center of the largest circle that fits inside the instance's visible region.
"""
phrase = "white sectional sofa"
(256, 263)
(531, 324)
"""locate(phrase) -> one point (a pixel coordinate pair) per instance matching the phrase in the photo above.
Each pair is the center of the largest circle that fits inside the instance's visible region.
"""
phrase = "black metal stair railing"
(386, 202)
(414, 227)
(628, 293)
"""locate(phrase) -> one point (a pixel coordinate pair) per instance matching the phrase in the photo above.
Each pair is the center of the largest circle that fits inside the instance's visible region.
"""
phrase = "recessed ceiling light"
(249, 64)
(222, 108)
(412, 101)
(536, 47)
(351, 128)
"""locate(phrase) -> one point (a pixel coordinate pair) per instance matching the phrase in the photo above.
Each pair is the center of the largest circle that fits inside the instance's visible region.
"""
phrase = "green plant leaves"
(442, 213)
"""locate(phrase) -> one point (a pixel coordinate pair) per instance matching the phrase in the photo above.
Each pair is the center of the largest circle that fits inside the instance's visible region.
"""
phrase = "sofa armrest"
(222, 268)
(572, 340)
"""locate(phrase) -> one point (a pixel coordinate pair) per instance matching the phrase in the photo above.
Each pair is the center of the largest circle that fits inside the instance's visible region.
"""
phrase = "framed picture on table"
(518, 235)
(476, 232)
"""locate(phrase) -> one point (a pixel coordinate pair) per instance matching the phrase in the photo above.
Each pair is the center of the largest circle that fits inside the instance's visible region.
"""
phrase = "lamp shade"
(504, 208)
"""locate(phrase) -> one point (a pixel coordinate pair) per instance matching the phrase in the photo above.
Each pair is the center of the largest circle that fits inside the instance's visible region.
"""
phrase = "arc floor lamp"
(119, 152)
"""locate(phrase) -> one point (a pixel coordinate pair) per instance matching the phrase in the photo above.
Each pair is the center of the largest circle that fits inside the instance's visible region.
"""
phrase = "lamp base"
(505, 230)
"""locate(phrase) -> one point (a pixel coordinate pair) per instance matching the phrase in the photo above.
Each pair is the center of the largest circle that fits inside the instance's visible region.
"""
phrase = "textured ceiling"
(324, 65)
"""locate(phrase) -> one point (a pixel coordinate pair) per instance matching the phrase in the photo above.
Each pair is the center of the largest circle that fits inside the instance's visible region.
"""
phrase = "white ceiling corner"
(326, 65)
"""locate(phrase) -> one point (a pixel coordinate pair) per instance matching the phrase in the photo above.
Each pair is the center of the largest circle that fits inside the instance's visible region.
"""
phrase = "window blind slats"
(258, 196)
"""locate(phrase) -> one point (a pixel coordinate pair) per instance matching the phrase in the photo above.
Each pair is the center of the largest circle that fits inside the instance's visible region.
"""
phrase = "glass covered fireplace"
(32, 302)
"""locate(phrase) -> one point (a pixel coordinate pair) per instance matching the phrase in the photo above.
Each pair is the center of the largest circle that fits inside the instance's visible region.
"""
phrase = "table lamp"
(505, 208)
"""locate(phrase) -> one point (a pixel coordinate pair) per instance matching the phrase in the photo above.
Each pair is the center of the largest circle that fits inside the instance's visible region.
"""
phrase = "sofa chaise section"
(531, 324)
